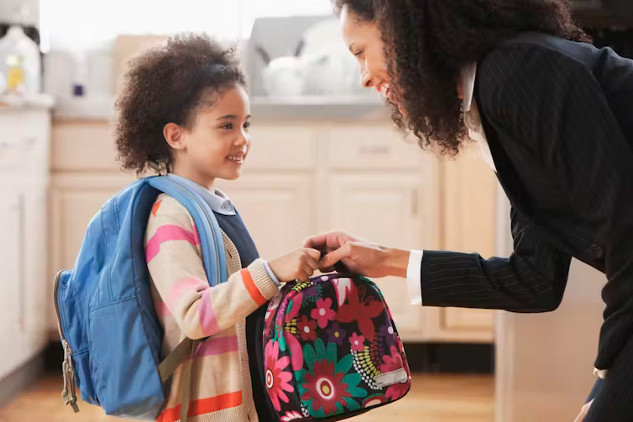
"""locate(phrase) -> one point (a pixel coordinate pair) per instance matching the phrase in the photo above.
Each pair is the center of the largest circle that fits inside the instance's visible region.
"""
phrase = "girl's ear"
(173, 135)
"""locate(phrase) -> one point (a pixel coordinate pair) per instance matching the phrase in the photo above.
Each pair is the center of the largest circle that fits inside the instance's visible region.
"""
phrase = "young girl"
(184, 112)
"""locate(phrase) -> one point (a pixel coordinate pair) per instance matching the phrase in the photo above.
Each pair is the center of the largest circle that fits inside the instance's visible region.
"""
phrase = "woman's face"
(365, 43)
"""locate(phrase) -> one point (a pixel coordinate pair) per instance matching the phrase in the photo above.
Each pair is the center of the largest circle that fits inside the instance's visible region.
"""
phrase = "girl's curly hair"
(167, 85)
(428, 42)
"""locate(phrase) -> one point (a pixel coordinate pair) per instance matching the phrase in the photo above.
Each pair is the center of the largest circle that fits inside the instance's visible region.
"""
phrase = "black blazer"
(558, 116)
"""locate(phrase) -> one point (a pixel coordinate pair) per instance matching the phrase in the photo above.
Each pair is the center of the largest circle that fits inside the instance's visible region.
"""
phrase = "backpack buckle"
(69, 395)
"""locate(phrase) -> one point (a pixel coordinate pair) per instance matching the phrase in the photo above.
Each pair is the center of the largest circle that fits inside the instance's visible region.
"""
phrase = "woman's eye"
(247, 125)
(358, 53)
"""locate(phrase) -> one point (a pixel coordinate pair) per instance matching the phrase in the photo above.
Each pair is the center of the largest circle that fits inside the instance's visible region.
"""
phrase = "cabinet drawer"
(282, 148)
(83, 146)
(23, 139)
(376, 147)
(468, 319)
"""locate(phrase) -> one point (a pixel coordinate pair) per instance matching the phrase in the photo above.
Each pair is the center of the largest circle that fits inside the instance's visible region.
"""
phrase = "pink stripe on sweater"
(190, 285)
(196, 235)
(207, 317)
(166, 233)
(217, 346)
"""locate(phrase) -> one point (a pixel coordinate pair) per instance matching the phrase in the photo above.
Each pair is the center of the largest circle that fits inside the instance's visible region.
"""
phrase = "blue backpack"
(109, 329)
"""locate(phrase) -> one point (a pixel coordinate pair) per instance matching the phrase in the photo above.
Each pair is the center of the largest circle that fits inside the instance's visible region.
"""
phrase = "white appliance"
(544, 362)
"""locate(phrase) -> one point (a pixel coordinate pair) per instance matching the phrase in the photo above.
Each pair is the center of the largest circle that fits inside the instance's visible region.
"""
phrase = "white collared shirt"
(472, 120)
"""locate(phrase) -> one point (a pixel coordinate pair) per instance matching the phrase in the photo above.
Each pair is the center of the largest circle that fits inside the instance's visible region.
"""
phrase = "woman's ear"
(173, 135)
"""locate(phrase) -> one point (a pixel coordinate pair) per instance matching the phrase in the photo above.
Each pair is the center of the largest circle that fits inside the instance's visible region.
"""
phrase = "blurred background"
(324, 151)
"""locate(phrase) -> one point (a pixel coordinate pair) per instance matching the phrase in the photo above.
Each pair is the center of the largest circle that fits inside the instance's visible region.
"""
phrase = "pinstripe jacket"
(558, 117)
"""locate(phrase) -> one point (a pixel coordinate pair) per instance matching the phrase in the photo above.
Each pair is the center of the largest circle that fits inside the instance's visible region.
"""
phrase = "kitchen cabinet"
(306, 177)
(276, 209)
(385, 209)
(24, 148)
(468, 195)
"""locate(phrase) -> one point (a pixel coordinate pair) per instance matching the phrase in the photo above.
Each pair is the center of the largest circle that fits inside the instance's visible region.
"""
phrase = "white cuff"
(414, 277)
(600, 373)
(271, 274)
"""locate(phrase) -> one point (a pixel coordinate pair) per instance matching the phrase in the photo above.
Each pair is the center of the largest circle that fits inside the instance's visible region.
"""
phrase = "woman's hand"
(299, 264)
(583, 412)
(359, 256)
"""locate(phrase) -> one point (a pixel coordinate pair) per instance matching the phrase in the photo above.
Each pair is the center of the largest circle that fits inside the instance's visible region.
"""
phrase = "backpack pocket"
(123, 362)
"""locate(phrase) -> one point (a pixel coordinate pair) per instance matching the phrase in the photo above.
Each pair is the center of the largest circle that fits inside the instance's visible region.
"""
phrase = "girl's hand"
(299, 264)
(359, 256)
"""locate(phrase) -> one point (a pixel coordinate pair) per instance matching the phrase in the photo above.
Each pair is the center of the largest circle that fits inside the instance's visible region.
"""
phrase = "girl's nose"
(243, 139)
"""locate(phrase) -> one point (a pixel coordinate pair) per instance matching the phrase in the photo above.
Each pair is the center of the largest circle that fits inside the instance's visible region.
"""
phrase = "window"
(81, 24)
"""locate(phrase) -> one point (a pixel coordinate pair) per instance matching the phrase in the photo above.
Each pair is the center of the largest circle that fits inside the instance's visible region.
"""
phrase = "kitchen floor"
(433, 398)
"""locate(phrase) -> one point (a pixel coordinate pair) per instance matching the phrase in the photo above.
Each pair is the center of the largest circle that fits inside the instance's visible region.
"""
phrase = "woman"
(554, 119)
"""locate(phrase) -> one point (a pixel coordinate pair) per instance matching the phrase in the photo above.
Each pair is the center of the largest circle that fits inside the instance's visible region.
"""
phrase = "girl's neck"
(205, 182)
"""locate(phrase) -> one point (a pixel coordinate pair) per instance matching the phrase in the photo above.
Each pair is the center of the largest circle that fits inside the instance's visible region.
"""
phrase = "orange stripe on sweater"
(156, 207)
(256, 295)
(203, 406)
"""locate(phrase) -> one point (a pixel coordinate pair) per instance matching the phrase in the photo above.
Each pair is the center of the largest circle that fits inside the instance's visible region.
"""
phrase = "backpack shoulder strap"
(210, 233)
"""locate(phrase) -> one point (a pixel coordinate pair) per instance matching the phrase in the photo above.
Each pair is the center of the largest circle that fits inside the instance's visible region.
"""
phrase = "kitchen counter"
(305, 108)
(33, 101)
(319, 108)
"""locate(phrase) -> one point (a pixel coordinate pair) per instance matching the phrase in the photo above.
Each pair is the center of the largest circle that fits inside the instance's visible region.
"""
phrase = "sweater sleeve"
(174, 260)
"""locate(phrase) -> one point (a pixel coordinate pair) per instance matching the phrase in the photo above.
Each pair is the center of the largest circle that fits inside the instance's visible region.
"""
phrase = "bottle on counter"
(20, 64)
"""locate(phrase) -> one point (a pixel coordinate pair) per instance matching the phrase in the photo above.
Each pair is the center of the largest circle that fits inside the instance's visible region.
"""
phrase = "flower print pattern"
(277, 379)
(323, 312)
(357, 342)
(335, 334)
(327, 341)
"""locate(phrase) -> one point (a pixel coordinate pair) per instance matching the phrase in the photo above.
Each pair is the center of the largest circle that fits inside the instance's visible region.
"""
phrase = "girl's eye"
(228, 126)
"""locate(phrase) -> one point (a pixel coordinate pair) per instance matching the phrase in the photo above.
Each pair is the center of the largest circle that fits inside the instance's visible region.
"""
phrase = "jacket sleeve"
(532, 279)
(175, 265)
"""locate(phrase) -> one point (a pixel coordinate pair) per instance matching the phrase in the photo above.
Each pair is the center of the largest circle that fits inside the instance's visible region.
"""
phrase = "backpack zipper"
(69, 393)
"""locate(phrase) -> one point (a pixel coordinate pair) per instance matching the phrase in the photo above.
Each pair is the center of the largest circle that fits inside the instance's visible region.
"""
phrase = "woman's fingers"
(321, 241)
(335, 256)
(583, 412)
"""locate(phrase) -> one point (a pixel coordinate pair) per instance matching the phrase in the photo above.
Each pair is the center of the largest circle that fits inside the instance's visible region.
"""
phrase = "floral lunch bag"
(331, 350)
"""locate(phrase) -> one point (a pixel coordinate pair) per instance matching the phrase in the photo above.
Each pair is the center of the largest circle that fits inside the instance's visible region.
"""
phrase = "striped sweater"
(188, 306)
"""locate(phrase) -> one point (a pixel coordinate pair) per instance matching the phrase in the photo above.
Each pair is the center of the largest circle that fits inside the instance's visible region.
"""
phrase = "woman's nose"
(366, 81)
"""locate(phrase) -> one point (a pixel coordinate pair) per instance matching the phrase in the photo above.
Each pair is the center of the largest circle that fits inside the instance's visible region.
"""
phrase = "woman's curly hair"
(427, 42)
(167, 85)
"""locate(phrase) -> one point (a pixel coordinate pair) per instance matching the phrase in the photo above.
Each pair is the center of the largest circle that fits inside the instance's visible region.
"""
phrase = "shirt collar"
(217, 200)
(467, 76)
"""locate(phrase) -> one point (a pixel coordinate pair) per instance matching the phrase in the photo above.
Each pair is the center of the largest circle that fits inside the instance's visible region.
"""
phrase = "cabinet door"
(11, 278)
(392, 210)
(35, 298)
(470, 189)
(278, 209)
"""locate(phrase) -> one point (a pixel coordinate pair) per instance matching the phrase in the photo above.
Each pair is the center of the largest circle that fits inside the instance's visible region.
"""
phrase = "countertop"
(304, 108)
(32, 101)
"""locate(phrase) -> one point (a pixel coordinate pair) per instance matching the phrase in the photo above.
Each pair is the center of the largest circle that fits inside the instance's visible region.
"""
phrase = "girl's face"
(365, 43)
(218, 142)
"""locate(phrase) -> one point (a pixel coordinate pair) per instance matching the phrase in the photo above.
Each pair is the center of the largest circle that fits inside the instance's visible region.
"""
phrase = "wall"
(9, 7)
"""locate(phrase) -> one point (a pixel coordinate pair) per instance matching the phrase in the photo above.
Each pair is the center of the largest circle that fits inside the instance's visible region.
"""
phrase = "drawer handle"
(375, 150)
(23, 146)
